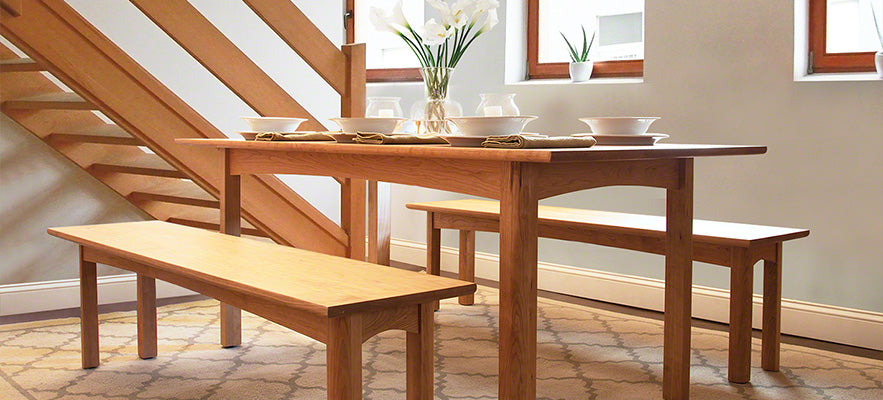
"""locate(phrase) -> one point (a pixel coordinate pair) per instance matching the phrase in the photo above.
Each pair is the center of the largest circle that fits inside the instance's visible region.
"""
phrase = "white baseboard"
(58, 295)
(817, 321)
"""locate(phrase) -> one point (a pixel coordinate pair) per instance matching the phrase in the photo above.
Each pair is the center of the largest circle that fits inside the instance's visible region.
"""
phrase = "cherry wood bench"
(338, 301)
(738, 246)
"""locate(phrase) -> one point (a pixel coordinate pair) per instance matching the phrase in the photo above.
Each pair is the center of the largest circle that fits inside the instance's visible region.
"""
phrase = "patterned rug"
(583, 353)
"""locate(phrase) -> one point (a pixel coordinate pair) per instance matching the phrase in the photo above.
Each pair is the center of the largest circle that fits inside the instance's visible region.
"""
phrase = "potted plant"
(580, 65)
(878, 58)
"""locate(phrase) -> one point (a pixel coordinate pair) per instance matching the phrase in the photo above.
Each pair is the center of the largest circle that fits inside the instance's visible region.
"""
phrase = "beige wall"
(716, 72)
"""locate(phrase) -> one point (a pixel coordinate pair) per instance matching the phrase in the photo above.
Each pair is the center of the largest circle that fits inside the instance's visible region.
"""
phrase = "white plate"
(487, 126)
(647, 139)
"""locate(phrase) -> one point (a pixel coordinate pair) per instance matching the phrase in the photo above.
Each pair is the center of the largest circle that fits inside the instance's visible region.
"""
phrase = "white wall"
(716, 72)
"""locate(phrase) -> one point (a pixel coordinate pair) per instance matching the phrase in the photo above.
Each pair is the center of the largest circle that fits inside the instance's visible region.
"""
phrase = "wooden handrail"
(139, 103)
(217, 53)
(295, 29)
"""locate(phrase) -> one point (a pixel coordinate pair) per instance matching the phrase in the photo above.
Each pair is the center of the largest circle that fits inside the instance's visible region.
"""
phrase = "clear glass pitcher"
(384, 107)
(497, 104)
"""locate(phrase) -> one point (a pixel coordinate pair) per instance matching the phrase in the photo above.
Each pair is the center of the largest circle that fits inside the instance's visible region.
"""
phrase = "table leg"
(466, 266)
(433, 250)
(88, 313)
(344, 358)
(379, 220)
(678, 285)
(518, 283)
(231, 212)
(352, 216)
(146, 317)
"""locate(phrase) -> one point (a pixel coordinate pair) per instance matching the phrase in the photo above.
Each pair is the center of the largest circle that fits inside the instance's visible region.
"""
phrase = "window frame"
(538, 70)
(820, 61)
(377, 74)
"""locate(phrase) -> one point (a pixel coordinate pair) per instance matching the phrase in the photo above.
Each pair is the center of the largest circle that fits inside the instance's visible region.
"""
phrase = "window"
(388, 58)
(618, 49)
(842, 35)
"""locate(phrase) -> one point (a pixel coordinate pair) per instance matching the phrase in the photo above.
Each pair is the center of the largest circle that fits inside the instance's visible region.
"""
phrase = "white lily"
(435, 33)
(460, 13)
(490, 20)
(397, 17)
(479, 7)
(380, 20)
(443, 10)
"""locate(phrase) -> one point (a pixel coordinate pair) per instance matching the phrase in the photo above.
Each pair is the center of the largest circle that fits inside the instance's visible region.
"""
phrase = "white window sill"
(566, 82)
(838, 77)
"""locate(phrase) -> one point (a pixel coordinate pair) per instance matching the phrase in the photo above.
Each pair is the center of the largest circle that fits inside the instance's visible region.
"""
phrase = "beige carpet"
(583, 354)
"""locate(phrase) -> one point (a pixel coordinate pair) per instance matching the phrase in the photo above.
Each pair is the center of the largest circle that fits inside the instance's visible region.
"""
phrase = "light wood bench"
(337, 301)
(738, 246)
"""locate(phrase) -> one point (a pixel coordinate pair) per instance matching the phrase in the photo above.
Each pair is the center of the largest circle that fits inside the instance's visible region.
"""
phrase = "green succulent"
(581, 55)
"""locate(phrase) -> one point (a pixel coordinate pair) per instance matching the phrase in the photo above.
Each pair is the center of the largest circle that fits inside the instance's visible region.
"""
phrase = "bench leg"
(231, 326)
(344, 358)
(741, 292)
(420, 356)
(772, 311)
(467, 263)
(146, 317)
(433, 249)
(88, 312)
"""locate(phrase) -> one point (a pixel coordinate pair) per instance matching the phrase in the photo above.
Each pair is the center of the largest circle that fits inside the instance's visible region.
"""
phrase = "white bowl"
(619, 125)
(273, 124)
(370, 124)
(488, 126)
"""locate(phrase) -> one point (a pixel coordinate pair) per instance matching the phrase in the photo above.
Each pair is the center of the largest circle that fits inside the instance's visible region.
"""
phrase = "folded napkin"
(534, 142)
(384, 138)
(293, 137)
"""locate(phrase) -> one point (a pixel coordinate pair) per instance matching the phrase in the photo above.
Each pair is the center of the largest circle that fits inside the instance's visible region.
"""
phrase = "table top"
(594, 153)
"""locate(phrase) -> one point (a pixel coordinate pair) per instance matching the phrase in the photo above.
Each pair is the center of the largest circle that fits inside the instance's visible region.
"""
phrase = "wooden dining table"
(518, 178)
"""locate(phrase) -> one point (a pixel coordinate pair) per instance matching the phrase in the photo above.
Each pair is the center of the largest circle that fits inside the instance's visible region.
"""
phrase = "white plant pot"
(878, 59)
(581, 71)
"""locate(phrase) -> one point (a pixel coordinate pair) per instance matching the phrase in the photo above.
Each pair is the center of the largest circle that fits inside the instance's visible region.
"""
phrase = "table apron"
(474, 177)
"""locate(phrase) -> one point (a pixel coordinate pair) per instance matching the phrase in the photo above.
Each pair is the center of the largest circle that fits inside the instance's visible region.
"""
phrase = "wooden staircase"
(105, 150)
(136, 154)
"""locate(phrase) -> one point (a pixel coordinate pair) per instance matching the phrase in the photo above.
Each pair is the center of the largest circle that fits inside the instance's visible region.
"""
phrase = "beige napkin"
(292, 137)
(533, 142)
(383, 138)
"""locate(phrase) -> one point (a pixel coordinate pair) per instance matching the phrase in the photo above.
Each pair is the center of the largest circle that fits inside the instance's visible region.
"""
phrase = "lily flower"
(435, 33)
(490, 20)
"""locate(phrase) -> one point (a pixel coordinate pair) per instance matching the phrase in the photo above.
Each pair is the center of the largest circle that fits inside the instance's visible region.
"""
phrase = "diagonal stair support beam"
(296, 29)
(136, 101)
(211, 48)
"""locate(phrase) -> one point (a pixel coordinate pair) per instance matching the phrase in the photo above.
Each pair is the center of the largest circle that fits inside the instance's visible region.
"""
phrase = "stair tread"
(146, 160)
(20, 65)
(56, 100)
(174, 188)
(104, 133)
(206, 218)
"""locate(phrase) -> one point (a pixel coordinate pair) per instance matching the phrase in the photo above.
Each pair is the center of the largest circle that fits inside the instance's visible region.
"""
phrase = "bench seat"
(733, 245)
(338, 301)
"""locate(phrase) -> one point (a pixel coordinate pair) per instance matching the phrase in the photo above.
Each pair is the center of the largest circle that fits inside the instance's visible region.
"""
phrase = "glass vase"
(497, 105)
(430, 113)
(383, 107)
